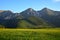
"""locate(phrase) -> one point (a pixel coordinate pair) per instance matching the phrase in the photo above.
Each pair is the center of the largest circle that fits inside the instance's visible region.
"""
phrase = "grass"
(30, 34)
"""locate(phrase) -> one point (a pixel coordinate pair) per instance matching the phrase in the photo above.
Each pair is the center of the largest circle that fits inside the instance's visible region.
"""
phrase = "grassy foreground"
(29, 34)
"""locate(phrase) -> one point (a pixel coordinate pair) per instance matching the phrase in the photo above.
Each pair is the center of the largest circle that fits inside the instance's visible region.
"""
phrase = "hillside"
(30, 18)
(33, 22)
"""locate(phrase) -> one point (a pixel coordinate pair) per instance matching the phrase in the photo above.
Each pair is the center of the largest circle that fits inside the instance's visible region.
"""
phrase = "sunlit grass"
(30, 34)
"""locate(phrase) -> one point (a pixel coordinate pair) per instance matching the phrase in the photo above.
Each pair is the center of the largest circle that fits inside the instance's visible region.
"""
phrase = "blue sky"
(21, 5)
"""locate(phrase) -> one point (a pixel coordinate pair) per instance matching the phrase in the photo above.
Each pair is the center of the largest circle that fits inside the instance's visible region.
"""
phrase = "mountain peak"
(5, 11)
(45, 8)
(2, 10)
(30, 9)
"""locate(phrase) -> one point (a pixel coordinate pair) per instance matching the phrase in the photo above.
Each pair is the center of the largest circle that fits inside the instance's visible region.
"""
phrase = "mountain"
(29, 12)
(33, 22)
(29, 18)
(1, 11)
(5, 14)
(50, 16)
(46, 11)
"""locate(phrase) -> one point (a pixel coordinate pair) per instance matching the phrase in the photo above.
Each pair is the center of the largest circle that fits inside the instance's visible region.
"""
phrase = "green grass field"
(30, 34)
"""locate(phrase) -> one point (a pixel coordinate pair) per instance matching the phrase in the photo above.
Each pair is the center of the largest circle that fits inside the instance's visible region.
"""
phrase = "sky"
(21, 5)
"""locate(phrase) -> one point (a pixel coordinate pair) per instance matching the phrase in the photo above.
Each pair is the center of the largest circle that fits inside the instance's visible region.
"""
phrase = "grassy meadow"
(30, 34)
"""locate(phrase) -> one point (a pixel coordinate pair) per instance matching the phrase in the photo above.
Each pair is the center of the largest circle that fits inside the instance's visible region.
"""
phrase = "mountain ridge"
(30, 16)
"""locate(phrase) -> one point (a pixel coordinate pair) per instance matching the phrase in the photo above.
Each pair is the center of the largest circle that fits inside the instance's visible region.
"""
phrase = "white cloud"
(56, 0)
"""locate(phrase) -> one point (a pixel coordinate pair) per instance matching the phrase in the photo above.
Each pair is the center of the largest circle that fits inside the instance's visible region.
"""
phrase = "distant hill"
(29, 18)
